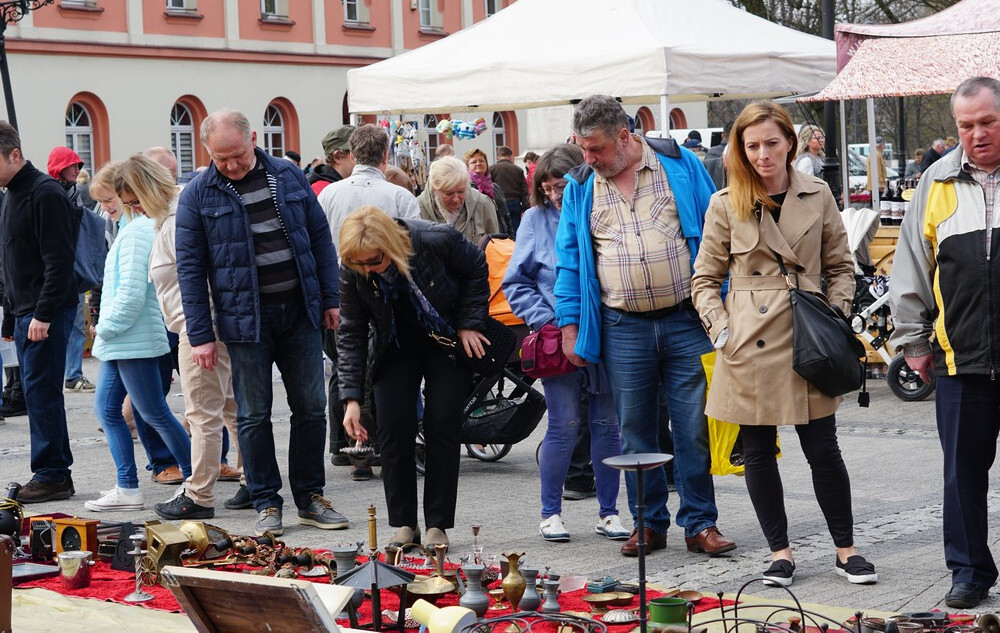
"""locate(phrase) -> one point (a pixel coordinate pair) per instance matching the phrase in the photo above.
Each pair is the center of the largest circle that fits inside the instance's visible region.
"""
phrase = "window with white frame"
(356, 12)
(430, 17)
(182, 138)
(499, 133)
(492, 6)
(83, 4)
(274, 9)
(430, 124)
(274, 132)
(182, 5)
(80, 134)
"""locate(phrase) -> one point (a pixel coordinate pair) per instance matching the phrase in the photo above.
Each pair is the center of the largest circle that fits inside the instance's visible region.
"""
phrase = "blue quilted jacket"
(215, 253)
(130, 323)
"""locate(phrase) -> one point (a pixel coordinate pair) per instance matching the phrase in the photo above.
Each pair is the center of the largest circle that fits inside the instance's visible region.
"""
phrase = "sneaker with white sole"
(611, 527)
(116, 500)
(269, 520)
(857, 570)
(79, 385)
(781, 573)
(552, 529)
(321, 514)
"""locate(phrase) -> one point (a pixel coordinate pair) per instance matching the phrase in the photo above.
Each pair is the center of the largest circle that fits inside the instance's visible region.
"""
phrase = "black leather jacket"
(448, 269)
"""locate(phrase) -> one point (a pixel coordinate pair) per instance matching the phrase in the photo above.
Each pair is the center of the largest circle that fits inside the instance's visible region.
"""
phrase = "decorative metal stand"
(524, 621)
(139, 595)
(640, 462)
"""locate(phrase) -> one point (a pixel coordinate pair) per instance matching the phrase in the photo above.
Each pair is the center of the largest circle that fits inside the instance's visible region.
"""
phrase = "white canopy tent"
(553, 52)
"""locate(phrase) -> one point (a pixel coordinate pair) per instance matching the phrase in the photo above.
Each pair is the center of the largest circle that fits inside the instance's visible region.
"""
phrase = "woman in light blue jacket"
(529, 288)
(131, 338)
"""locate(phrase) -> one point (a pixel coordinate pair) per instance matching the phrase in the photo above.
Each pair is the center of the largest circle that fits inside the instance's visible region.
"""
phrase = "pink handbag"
(542, 355)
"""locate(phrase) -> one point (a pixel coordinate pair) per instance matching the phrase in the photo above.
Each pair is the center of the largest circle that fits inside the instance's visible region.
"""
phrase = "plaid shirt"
(642, 259)
(988, 181)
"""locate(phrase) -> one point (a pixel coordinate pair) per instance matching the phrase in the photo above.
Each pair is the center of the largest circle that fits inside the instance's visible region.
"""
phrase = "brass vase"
(513, 582)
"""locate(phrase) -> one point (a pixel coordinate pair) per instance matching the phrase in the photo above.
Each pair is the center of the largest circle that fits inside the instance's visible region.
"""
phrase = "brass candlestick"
(372, 531)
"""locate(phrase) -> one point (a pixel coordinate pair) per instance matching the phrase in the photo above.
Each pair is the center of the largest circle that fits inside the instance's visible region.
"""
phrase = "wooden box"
(229, 602)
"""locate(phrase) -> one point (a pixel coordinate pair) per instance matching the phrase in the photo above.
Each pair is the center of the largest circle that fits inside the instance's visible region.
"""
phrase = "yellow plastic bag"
(722, 436)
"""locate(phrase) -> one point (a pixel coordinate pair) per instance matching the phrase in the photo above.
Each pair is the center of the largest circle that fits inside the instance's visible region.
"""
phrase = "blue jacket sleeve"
(192, 267)
(520, 283)
(568, 286)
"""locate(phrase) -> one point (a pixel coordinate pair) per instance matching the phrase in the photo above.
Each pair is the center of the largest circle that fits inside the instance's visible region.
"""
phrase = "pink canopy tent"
(931, 55)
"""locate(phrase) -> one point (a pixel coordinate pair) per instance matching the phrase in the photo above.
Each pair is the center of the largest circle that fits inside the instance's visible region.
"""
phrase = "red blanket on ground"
(112, 586)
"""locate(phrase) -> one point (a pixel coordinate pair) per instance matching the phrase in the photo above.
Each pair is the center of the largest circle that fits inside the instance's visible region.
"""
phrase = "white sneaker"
(552, 529)
(611, 527)
(115, 500)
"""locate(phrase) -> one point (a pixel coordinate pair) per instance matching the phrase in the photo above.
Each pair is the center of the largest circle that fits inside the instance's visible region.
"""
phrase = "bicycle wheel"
(905, 383)
(420, 457)
(488, 452)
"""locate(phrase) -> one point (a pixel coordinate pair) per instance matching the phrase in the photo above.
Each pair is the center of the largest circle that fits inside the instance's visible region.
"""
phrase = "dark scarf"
(391, 283)
(483, 183)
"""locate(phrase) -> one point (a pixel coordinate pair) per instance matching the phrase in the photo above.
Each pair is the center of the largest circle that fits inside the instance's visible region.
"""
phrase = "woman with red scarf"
(481, 181)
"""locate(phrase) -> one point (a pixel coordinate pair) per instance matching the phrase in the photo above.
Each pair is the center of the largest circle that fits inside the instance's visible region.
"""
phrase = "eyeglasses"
(551, 191)
(370, 262)
(132, 205)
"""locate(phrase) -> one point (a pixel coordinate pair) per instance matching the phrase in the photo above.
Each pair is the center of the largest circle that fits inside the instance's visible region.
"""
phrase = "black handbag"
(825, 350)
(502, 342)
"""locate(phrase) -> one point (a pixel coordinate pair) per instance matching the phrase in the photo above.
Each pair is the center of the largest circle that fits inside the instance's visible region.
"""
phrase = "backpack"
(91, 247)
(498, 248)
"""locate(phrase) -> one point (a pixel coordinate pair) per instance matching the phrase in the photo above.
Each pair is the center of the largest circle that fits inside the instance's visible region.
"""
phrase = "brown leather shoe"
(228, 473)
(709, 541)
(170, 476)
(654, 540)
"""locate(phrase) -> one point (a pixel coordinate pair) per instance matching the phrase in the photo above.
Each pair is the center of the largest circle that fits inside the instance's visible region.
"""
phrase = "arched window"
(677, 119)
(644, 121)
(80, 133)
(182, 138)
(274, 132)
(430, 123)
(499, 132)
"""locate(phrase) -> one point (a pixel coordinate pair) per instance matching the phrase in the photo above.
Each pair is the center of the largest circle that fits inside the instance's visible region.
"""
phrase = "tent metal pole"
(845, 173)
(665, 114)
(876, 177)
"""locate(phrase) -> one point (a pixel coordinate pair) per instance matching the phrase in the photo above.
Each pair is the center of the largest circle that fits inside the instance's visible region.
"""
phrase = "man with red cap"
(64, 166)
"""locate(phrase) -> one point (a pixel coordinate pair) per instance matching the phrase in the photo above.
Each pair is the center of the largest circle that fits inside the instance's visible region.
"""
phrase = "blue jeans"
(643, 356)
(288, 339)
(562, 396)
(140, 378)
(41, 378)
(74, 345)
(156, 449)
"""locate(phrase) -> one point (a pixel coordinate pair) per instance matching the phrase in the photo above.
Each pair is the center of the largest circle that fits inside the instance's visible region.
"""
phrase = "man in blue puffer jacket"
(253, 242)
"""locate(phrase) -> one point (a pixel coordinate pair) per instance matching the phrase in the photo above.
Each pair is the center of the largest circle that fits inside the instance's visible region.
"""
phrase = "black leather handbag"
(502, 339)
(825, 350)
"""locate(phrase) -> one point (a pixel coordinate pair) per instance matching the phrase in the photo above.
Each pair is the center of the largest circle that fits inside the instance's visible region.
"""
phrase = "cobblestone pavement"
(891, 450)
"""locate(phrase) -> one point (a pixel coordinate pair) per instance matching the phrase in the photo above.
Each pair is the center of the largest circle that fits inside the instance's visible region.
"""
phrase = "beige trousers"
(208, 404)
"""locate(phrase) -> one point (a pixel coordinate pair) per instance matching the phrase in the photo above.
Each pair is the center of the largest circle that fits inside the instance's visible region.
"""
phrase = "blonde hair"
(370, 229)
(150, 182)
(805, 135)
(105, 179)
(746, 187)
(448, 172)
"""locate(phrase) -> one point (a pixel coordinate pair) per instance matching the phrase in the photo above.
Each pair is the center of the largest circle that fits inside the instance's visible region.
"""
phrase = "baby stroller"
(870, 317)
(502, 409)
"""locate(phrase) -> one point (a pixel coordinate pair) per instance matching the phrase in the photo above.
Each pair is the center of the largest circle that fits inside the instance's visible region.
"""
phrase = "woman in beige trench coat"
(770, 207)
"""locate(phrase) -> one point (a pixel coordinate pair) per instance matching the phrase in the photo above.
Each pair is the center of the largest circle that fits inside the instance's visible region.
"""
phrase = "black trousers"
(396, 385)
(335, 408)
(968, 421)
(829, 474)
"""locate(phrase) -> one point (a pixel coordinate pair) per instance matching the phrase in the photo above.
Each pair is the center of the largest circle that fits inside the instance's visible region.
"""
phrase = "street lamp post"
(12, 11)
